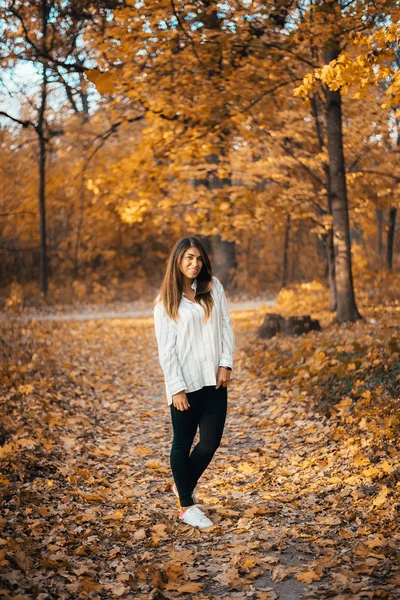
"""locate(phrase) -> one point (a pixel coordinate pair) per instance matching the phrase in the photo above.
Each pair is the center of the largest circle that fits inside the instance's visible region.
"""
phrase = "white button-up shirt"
(191, 350)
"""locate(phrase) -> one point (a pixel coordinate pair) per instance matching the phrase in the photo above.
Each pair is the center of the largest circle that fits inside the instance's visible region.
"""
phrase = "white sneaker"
(194, 516)
(174, 489)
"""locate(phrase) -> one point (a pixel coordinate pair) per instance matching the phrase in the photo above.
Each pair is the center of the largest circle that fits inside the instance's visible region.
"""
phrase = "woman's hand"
(223, 377)
(180, 401)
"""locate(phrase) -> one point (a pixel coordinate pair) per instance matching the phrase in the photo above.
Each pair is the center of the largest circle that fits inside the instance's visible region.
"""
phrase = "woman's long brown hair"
(170, 292)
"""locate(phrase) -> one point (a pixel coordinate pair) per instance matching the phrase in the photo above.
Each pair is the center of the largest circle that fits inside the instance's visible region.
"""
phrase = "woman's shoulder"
(160, 312)
(216, 283)
(158, 305)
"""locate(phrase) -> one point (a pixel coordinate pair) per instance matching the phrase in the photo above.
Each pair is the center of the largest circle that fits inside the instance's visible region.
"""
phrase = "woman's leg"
(184, 423)
(212, 409)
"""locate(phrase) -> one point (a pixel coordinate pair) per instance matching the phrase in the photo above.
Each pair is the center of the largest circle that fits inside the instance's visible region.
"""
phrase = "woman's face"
(191, 263)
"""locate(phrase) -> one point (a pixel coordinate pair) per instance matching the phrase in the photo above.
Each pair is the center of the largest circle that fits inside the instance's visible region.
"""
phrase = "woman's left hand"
(223, 377)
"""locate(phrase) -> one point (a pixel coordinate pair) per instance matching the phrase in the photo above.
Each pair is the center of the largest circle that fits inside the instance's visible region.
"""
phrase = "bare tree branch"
(374, 172)
(22, 212)
(26, 123)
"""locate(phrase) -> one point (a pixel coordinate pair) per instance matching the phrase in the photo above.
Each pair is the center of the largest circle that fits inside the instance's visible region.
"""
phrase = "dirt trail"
(125, 312)
(90, 507)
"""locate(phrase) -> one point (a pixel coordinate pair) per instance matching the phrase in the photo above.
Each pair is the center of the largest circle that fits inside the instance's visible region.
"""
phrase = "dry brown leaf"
(118, 590)
(190, 587)
(173, 571)
(44, 511)
(279, 573)
(310, 576)
(160, 529)
(248, 468)
(87, 585)
(116, 515)
(140, 534)
(380, 499)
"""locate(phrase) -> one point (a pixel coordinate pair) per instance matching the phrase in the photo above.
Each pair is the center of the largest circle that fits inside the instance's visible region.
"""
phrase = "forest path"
(127, 311)
(89, 506)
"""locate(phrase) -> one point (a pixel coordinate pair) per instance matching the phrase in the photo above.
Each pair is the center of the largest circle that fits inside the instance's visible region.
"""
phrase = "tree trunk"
(224, 257)
(206, 241)
(390, 238)
(328, 238)
(224, 252)
(42, 157)
(293, 263)
(346, 304)
(330, 250)
(285, 252)
(84, 96)
(379, 218)
(82, 189)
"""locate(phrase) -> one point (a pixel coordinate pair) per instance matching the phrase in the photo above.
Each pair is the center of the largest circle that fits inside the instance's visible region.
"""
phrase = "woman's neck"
(187, 283)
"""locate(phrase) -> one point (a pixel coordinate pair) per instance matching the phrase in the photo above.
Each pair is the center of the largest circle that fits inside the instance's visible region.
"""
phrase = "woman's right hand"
(180, 401)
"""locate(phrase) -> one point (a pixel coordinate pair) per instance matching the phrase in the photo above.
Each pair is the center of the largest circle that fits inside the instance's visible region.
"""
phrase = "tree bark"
(206, 241)
(330, 250)
(223, 251)
(328, 238)
(42, 156)
(224, 257)
(346, 304)
(390, 238)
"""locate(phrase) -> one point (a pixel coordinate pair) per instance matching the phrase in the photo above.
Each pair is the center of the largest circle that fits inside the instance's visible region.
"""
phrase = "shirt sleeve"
(166, 334)
(228, 336)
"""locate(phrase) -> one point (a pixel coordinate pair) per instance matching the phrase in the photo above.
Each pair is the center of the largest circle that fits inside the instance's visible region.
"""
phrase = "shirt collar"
(193, 286)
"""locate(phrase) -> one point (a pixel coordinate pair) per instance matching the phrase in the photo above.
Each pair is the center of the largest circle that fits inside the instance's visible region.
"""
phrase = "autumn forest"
(269, 130)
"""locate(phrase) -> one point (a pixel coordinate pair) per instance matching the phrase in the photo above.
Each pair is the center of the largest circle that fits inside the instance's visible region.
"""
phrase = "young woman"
(196, 346)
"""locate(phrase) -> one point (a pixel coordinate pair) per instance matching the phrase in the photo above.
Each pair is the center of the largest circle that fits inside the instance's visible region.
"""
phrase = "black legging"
(208, 408)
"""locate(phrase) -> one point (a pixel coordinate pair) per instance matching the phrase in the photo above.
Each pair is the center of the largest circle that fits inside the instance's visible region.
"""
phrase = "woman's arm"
(166, 335)
(228, 336)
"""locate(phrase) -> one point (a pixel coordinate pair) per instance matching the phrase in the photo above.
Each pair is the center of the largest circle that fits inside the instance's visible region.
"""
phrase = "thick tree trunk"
(330, 249)
(206, 241)
(224, 257)
(223, 251)
(346, 304)
(328, 238)
(390, 238)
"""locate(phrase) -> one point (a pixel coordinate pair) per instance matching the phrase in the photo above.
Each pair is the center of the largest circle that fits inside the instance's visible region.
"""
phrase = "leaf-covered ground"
(304, 489)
